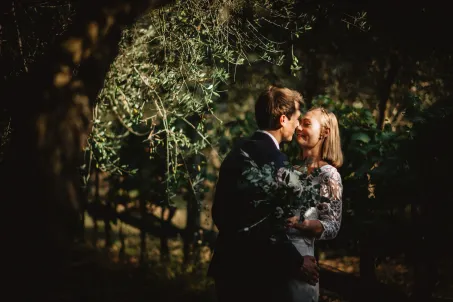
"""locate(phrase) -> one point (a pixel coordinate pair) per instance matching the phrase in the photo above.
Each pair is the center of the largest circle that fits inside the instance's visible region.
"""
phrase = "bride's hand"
(324, 210)
(323, 207)
(292, 221)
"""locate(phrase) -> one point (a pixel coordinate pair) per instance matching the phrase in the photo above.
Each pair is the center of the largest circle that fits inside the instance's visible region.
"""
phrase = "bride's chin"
(300, 141)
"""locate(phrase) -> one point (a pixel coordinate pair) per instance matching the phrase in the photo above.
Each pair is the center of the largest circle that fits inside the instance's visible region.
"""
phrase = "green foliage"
(164, 84)
(384, 171)
(156, 113)
(284, 192)
(382, 167)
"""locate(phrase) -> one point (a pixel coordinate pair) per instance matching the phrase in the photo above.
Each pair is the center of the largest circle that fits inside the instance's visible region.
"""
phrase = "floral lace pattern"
(330, 213)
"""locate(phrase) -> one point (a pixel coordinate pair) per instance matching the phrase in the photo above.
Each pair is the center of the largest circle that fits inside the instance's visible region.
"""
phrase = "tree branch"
(19, 37)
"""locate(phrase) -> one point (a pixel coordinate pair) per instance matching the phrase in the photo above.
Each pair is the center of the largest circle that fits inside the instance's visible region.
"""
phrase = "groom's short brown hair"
(272, 104)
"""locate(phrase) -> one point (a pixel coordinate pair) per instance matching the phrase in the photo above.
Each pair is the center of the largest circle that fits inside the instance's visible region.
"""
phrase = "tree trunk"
(367, 266)
(49, 137)
(385, 86)
(191, 231)
(97, 206)
(122, 252)
(107, 221)
(86, 183)
(425, 258)
(165, 224)
(143, 253)
(312, 77)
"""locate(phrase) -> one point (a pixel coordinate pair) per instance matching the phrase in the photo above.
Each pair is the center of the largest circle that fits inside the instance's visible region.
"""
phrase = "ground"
(190, 284)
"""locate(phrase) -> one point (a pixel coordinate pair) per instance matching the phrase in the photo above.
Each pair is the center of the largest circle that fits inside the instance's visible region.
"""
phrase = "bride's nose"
(299, 128)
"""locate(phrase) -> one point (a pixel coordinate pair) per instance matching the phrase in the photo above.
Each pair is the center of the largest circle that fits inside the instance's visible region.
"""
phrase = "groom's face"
(289, 125)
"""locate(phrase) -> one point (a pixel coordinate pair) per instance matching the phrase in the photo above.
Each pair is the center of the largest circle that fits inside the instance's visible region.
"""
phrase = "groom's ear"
(283, 119)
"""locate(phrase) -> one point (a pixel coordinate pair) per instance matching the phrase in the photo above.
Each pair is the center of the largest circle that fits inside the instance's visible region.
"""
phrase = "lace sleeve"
(330, 215)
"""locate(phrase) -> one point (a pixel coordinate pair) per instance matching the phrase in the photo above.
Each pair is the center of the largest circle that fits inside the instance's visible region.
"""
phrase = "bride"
(319, 140)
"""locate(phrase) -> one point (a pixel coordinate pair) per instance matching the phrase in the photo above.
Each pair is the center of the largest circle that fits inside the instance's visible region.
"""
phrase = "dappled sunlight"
(125, 113)
(347, 264)
(391, 271)
(131, 237)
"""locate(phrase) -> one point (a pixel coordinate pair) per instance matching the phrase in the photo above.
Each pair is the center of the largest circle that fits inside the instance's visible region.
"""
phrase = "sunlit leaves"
(166, 78)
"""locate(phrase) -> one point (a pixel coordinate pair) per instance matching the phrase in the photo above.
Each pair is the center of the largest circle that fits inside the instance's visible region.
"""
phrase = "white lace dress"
(330, 218)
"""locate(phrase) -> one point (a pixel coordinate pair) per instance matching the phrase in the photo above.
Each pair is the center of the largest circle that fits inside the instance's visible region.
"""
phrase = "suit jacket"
(248, 254)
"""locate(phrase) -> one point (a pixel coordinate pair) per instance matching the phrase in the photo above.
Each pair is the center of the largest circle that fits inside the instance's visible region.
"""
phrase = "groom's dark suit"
(247, 261)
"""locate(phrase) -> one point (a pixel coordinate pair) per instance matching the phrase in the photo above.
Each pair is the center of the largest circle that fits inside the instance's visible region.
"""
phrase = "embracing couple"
(246, 265)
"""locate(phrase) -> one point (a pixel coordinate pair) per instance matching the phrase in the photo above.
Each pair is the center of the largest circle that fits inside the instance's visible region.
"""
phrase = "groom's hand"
(310, 270)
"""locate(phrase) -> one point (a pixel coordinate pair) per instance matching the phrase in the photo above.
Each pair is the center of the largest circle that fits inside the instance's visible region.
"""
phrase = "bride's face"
(308, 133)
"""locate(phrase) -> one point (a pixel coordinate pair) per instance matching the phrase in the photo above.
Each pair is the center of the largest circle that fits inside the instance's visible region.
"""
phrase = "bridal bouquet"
(288, 191)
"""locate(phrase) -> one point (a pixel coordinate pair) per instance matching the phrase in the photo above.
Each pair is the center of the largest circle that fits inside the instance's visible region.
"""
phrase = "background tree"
(135, 114)
(49, 135)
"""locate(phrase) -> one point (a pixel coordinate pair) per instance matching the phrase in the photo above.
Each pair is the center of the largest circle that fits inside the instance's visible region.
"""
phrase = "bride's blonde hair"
(331, 146)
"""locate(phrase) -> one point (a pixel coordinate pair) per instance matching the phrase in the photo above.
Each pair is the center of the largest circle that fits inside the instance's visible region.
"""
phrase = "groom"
(246, 266)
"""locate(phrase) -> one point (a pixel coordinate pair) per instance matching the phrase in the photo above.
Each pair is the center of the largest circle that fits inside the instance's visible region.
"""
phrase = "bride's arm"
(310, 228)
(329, 214)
